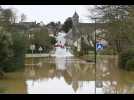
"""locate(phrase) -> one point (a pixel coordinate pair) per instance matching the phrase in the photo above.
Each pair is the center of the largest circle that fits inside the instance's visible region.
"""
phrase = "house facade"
(82, 32)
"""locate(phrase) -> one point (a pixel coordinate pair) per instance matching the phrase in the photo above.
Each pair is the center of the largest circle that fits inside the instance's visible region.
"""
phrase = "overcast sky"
(48, 13)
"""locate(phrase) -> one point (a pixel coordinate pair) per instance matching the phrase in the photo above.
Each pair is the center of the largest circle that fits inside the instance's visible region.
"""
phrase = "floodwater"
(68, 76)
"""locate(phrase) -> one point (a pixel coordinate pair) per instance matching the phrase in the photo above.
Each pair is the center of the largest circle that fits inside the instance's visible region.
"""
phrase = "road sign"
(32, 47)
(99, 46)
(40, 49)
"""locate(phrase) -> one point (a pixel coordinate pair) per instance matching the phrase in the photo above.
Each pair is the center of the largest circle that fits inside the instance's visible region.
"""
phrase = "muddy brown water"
(68, 76)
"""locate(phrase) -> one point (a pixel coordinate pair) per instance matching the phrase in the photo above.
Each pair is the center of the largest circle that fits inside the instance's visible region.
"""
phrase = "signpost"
(32, 47)
(99, 47)
(40, 49)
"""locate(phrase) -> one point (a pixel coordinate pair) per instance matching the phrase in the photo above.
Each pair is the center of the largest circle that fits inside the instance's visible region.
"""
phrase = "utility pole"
(95, 53)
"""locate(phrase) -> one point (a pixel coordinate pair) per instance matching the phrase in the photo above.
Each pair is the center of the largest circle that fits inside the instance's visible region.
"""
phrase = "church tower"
(75, 18)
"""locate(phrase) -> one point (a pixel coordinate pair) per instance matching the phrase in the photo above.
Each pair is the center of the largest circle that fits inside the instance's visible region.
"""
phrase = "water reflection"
(113, 79)
(59, 86)
(60, 63)
(70, 75)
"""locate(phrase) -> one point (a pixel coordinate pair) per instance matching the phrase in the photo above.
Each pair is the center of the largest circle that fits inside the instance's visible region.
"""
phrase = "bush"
(130, 64)
(12, 52)
(6, 49)
(125, 58)
(108, 51)
(2, 90)
(77, 53)
(80, 53)
(19, 46)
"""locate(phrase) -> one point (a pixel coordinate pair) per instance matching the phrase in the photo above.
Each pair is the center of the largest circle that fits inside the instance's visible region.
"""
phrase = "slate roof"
(75, 14)
(83, 28)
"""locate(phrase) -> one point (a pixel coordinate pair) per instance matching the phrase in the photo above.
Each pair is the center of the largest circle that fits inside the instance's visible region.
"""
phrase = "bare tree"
(23, 17)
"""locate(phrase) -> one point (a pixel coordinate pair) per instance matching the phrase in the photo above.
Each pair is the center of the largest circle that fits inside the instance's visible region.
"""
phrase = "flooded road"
(61, 75)
(68, 76)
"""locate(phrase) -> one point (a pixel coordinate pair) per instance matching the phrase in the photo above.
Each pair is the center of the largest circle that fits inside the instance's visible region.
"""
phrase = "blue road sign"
(99, 46)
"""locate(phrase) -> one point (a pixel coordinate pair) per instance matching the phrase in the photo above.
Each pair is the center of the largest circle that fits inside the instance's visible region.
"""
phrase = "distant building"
(82, 30)
(25, 26)
(75, 18)
(29, 24)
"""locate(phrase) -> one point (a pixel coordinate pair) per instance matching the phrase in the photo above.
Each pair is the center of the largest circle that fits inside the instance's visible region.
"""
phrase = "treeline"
(119, 24)
(12, 43)
(40, 38)
(118, 28)
(16, 38)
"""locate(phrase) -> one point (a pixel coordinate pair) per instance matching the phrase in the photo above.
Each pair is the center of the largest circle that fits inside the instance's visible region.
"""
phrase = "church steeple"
(76, 15)
(75, 18)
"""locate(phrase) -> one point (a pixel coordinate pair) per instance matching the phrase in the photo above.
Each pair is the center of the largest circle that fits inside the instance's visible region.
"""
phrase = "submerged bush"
(108, 51)
(125, 58)
(130, 64)
(2, 90)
